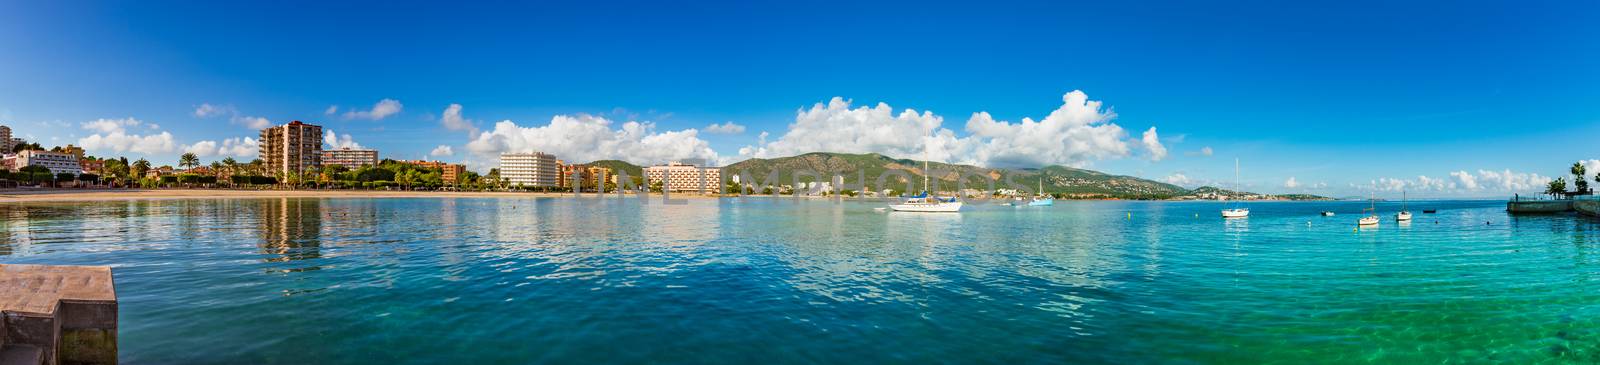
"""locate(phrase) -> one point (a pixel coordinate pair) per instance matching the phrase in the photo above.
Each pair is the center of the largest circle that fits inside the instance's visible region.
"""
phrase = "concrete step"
(14, 354)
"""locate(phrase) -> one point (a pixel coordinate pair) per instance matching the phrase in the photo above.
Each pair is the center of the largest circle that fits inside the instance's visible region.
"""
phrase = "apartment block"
(291, 148)
(349, 157)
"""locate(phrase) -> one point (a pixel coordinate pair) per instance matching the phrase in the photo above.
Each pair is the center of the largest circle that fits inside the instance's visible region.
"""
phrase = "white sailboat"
(1042, 200)
(1236, 211)
(925, 202)
(1404, 214)
(1372, 213)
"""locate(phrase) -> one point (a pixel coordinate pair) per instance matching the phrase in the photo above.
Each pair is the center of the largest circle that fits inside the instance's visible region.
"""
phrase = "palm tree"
(1580, 183)
(140, 167)
(188, 161)
(1557, 187)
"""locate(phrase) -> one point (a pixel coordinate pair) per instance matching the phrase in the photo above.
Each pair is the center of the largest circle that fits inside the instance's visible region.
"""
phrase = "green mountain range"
(1062, 181)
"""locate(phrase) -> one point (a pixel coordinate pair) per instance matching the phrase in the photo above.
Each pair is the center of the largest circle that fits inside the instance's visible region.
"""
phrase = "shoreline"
(94, 195)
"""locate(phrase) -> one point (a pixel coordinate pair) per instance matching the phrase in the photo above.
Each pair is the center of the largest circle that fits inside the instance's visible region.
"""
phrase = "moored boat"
(1236, 211)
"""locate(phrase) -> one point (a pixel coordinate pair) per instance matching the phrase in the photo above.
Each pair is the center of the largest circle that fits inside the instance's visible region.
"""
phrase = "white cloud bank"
(112, 135)
(208, 110)
(235, 147)
(1075, 134)
(585, 138)
(442, 150)
(1465, 182)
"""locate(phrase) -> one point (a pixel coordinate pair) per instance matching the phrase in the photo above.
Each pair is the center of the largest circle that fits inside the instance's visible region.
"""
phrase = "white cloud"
(1512, 181)
(453, 120)
(1205, 151)
(1075, 134)
(236, 147)
(332, 109)
(1291, 183)
(206, 110)
(104, 125)
(252, 122)
(442, 150)
(584, 138)
(335, 141)
(1178, 178)
(1152, 142)
(725, 128)
(1464, 182)
(112, 135)
(383, 109)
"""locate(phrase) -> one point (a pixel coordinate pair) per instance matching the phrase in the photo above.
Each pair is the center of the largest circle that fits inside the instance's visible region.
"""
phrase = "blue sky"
(1340, 96)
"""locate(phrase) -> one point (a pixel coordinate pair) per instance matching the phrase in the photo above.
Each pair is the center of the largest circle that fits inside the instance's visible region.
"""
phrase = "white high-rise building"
(535, 169)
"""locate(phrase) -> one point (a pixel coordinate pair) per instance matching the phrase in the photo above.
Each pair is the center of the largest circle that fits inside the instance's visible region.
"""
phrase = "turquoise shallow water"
(379, 281)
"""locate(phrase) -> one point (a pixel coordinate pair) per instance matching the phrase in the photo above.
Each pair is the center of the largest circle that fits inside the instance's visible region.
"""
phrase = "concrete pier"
(1589, 207)
(1538, 206)
(57, 315)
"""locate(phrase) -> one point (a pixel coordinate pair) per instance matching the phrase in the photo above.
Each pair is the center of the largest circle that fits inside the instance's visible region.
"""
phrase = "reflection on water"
(476, 280)
(291, 229)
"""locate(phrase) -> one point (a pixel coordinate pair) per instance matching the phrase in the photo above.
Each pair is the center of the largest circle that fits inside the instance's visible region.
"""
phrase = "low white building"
(678, 177)
(58, 163)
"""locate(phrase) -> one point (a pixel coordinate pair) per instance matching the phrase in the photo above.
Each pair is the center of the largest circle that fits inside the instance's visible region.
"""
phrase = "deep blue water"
(381, 281)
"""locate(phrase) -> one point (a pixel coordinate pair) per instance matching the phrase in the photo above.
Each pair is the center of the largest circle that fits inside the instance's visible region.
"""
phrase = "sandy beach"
(70, 195)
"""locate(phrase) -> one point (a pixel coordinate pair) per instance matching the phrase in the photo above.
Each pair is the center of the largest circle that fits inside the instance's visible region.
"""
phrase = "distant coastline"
(89, 195)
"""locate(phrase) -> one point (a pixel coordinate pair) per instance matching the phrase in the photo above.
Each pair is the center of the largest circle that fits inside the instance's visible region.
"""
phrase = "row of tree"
(1580, 182)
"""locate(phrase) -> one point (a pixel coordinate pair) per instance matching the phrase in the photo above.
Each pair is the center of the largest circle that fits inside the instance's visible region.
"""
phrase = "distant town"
(291, 156)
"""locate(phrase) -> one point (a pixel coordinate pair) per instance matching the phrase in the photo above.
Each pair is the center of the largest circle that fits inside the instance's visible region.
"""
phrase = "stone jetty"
(57, 315)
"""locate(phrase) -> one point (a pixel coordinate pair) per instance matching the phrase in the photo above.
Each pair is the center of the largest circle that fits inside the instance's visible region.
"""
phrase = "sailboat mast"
(925, 187)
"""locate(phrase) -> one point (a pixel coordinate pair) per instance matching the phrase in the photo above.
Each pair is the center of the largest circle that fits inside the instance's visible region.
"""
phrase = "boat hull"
(1042, 203)
(1402, 216)
(927, 208)
(1368, 221)
(1235, 213)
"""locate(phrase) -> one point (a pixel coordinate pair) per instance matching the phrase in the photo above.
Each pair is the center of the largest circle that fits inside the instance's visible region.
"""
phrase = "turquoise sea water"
(380, 281)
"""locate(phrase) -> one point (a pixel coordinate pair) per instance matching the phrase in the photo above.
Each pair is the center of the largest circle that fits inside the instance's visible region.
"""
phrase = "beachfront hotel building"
(57, 162)
(535, 169)
(680, 177)
(350, 157)
(291, 148)
(587, 174)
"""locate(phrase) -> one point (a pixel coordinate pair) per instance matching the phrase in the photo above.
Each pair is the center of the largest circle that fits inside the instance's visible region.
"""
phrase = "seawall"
(1589, 207)
(1538, 206)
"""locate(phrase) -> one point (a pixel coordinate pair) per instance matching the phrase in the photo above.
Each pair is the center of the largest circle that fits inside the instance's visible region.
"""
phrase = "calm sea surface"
(380, 281)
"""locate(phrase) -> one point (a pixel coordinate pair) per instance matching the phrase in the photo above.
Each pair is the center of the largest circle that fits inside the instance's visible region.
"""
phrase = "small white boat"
(1236, 211)
(1372, 214)
(1404, 214)
(1327, 213)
